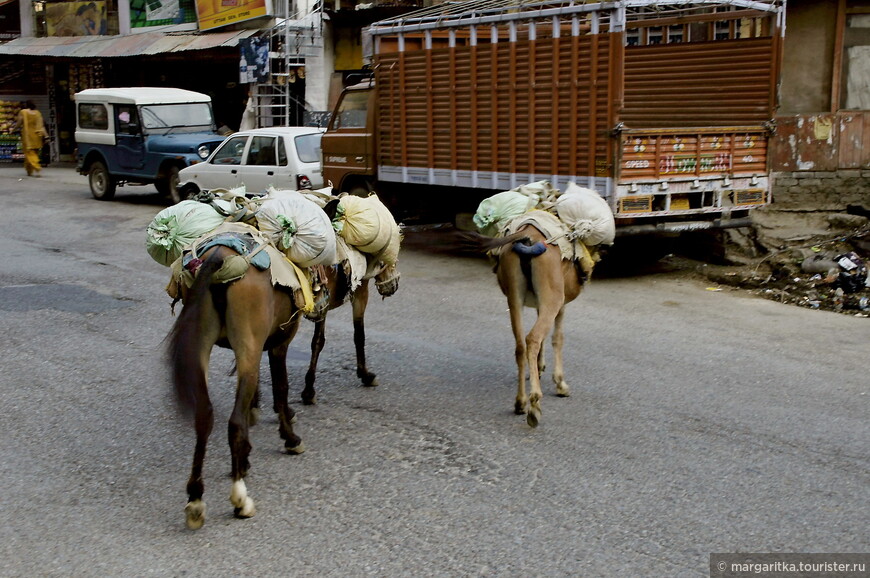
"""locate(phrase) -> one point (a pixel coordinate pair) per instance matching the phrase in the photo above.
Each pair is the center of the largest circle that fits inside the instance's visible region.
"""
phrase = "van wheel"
(168, 185)
(101, 182)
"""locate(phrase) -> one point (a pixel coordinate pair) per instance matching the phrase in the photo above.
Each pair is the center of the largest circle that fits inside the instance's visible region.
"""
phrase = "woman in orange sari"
(32, 129)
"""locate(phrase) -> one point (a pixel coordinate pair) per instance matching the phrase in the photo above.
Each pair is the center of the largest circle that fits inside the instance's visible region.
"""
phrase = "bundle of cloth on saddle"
(577, 220)
(295, 235)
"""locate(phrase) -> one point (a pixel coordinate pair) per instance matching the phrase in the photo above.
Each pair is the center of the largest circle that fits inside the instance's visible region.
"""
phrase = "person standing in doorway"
(32, 128)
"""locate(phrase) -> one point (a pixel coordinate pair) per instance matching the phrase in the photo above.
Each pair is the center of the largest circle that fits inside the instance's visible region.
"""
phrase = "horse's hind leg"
(248, 361)
(318, 340)
(359, 302)
(280, 387)
(255, 408)
(516, 314)
(547, 283)
(562, 388)
(204, 421)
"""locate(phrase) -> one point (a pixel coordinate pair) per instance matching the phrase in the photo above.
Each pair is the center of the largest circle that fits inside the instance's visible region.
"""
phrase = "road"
(701, 421)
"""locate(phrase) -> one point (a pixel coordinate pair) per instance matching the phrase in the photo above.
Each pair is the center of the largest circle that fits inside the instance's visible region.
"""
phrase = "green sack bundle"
(495, 212)
(176, 227)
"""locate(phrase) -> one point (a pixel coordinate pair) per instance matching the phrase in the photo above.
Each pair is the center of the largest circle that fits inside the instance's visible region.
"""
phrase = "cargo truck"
(664, 108)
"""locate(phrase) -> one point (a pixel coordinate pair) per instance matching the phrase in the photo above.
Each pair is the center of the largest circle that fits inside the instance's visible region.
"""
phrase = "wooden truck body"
(664, 109)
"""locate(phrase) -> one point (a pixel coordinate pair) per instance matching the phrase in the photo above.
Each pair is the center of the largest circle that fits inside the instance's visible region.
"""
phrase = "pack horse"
(249, 315)
(531, 272)
(240, 291)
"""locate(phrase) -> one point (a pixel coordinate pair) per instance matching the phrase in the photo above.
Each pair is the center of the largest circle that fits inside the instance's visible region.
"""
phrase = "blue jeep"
(139, 136)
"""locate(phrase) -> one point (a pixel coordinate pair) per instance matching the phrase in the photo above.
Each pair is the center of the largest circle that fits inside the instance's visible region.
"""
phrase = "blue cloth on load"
(530, 250)
(238, 242)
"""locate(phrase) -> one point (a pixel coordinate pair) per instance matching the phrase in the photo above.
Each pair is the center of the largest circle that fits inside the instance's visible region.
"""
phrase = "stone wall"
(813, 205)
(830, 191)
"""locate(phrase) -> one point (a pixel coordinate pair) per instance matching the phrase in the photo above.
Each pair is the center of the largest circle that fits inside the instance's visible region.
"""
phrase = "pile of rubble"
(827, 274)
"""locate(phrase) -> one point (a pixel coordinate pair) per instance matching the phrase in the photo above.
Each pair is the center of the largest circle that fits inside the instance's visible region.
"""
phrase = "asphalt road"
(701, 421)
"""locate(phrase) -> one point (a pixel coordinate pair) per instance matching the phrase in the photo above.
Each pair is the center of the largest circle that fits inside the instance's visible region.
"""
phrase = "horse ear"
(331, 208)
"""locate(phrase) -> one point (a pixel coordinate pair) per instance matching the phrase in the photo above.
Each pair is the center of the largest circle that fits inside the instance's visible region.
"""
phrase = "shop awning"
(128, 45)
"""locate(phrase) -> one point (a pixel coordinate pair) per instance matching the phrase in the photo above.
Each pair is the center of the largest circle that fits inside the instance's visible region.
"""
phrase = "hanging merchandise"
(253, 60)
(10, 141)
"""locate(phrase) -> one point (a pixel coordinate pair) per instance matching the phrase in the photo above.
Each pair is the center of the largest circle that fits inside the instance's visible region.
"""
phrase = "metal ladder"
(292, 38)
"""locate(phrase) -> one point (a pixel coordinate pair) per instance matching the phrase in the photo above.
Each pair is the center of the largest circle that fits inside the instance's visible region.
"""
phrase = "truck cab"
(141, 136)
(348, 144)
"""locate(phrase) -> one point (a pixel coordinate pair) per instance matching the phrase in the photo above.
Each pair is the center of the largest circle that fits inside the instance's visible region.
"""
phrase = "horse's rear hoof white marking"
(195, 512)
(247, 510)
(562, 390)
(239, 498)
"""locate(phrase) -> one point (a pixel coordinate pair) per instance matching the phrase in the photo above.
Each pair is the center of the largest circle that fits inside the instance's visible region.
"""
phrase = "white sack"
(298, 227)
(587, 215)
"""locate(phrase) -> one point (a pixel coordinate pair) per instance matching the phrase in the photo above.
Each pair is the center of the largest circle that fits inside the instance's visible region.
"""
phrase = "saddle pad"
(553, 229)
(241, 243)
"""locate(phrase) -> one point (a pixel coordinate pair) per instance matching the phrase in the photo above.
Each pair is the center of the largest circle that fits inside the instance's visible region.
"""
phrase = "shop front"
(50, 71)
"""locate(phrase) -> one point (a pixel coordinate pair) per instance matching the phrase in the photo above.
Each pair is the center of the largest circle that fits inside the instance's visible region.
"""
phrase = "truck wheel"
(168, 185)
(359, 191)
(101, 182)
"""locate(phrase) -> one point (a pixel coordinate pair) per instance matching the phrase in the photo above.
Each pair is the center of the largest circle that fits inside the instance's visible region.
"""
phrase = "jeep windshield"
(165, 118)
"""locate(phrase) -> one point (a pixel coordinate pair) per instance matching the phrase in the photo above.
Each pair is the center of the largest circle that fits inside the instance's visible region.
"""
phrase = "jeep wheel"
(168, 185)
(101, 182)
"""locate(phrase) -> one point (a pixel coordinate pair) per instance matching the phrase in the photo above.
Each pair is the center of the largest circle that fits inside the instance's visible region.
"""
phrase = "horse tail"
(185, 340)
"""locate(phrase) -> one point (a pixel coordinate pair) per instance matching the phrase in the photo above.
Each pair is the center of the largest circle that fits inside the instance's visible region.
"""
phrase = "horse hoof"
(309, 400)
(244, 505)
(247, 510)
(562, 390)
(533, 417)
(370, 381)
(295, 450)
(195, 514)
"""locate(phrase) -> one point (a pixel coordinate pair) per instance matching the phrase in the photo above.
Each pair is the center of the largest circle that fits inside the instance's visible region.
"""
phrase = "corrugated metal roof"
(128, 45)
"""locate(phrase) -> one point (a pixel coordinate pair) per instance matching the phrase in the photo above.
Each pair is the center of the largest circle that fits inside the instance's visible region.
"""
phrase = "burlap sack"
(298, 227)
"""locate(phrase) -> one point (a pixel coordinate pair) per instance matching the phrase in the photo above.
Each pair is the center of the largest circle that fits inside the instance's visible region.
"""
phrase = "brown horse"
(248, 315)
(533, 273)
(338, 283)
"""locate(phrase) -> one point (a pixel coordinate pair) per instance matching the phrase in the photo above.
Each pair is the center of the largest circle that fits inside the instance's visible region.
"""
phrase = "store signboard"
(10, 20)
(217, 13)
(86, 18)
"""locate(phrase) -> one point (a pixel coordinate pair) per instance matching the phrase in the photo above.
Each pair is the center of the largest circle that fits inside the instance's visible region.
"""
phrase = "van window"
(308, 147)
(282, 153)
(93, 116)
(262, 151)
(231, 151)
(127, 119)
(189, 117)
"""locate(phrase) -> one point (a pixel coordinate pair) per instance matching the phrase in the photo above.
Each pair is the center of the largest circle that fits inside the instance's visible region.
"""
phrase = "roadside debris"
(830, 275)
